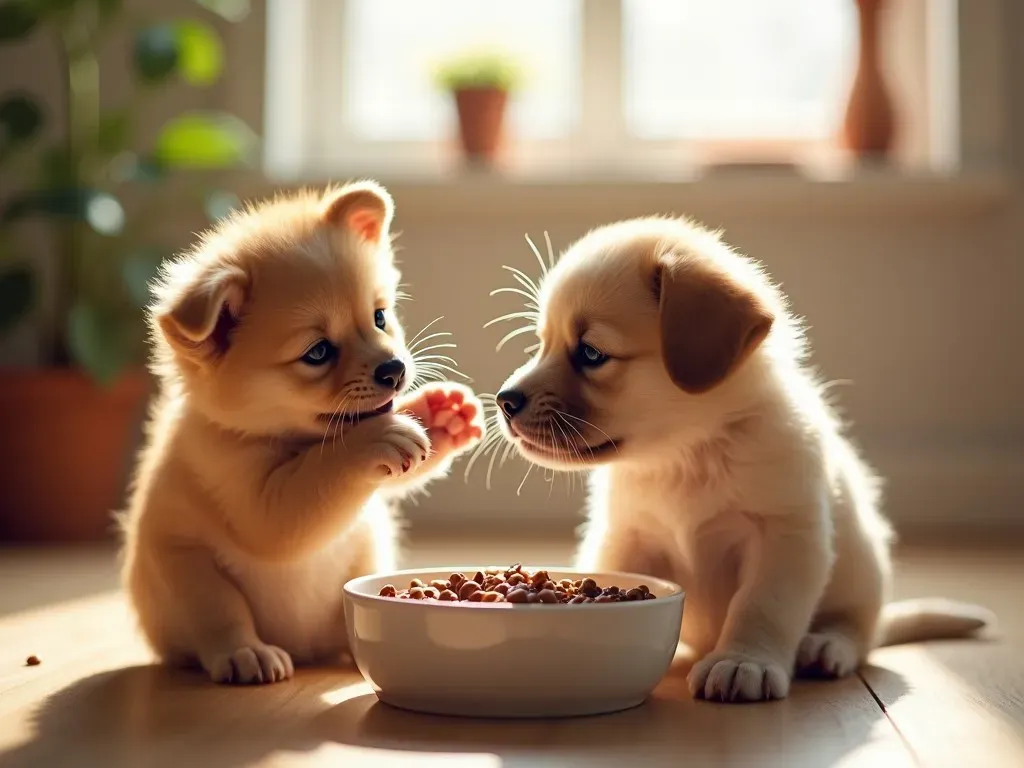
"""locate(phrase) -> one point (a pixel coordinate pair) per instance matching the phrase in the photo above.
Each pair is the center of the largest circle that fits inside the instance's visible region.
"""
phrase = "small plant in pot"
(481, 84)
(80, 240)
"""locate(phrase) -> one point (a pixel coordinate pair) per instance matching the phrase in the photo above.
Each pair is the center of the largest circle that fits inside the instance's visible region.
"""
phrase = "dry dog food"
(514, 585)
(32, 661)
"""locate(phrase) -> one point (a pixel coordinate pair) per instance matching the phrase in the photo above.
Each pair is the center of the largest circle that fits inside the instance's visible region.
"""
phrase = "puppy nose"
(511, 401)
(390, 374)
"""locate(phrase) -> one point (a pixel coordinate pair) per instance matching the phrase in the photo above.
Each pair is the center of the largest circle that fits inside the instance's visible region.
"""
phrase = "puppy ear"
(709, 324)
(364, 207)
(197, 318)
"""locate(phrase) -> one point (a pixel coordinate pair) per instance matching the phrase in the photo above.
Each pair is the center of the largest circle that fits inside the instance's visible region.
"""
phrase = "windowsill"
(739, 191)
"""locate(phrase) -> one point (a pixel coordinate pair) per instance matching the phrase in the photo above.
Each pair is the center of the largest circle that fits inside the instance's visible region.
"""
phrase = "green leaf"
(20, 118)
(101, 210)
(156, 53)
(205, 140)
(138, 269)
(17, 19)
(200, 53)
(190, 48)
(112, 131)
(97, 343)
(229, 10)
(17, 292)
(220, 204)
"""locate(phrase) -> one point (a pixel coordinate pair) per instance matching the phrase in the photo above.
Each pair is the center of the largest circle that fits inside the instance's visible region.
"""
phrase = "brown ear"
(198, 319)
(363, 207)
(709, 324)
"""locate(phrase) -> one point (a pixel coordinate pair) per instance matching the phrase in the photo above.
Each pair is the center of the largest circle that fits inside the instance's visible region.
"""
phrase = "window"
(654, 85)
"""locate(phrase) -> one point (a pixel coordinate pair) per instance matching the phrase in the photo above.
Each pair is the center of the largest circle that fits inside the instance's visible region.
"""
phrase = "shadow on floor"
(152, 716)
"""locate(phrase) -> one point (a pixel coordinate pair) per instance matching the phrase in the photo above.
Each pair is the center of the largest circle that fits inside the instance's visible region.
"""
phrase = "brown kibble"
(32, 661)
(515, 585)
(467, 589)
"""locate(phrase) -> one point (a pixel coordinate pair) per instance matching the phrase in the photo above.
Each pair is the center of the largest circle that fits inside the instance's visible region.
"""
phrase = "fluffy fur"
(276, 441)
(670, 365)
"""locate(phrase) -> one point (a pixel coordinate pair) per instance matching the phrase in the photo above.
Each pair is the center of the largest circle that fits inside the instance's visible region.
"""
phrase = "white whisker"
(551, 253)
(529, 468)
(540, 259)
(425, 339)
(594, 426)
(432, 347)
(524, 280)
(424, 328)
(531, 300)
(512, 334)
(442, 358)
(529, 315)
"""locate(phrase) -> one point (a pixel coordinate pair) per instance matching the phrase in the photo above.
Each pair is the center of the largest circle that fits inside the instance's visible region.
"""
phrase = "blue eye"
(379, 320)
(320, 353)
(589, 356)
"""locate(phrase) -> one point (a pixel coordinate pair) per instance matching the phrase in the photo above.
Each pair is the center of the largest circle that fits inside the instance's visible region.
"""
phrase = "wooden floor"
(96, 700)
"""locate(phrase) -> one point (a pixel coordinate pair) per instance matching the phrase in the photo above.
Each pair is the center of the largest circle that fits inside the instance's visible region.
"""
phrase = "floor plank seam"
(885, 711)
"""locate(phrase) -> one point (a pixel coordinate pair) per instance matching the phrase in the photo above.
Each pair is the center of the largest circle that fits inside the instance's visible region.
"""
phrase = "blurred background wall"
(911, 282)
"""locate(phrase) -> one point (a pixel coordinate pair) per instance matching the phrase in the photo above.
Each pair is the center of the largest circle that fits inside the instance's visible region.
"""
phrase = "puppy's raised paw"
(736, 677)
(251, 664)
(826, 654)
(394, 444)
(451, 413)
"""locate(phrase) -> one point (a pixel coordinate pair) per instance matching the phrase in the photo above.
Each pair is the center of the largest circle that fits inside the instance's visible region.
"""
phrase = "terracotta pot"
(869, 126)
(481, 115)
(65, 452)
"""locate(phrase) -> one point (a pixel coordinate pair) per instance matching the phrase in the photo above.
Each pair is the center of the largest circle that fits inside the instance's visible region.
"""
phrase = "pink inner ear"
(366, 223)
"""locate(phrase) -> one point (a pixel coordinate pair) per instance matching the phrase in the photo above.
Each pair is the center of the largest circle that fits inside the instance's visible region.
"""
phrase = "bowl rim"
(675, 594)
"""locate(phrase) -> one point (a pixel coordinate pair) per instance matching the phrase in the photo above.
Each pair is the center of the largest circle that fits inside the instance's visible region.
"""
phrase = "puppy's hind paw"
(251, 664)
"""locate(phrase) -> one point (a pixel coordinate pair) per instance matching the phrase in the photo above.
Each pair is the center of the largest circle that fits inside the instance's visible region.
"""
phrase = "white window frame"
(304, 139)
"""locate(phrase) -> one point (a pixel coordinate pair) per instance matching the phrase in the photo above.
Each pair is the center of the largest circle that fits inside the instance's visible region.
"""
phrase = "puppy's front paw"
(737, 677)
(452, 414)
(395, 445)
(252, 664)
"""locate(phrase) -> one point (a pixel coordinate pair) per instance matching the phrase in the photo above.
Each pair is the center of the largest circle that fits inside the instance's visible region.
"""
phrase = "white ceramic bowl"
(505, 660)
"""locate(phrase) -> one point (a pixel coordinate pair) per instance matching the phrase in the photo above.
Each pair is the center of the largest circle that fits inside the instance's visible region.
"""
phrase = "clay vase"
(869, 125)
(481, 118)
(66, 448)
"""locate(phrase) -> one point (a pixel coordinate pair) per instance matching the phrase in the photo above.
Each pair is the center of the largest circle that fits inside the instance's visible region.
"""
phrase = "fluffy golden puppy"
(670, 364)
(281, 432)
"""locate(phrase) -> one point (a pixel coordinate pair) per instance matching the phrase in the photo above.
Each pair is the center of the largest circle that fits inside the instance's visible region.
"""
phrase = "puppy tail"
(913, 621)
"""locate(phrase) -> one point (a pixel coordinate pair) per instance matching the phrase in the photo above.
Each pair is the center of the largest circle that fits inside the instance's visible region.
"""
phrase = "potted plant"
(480, 84)
(78, 247)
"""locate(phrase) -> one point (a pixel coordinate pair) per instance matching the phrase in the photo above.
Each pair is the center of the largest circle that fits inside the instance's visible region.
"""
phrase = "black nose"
(511, 402)
(390, 374)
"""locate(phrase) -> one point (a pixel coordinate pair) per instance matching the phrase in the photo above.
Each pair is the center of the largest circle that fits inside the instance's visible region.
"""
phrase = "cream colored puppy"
(280, 434)
(670, 363)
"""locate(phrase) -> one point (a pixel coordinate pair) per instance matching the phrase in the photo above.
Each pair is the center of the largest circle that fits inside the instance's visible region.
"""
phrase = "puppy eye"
(379, 320)
(320, 353)
(589, 356)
